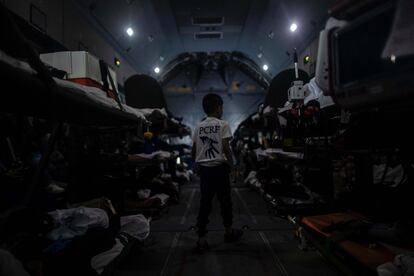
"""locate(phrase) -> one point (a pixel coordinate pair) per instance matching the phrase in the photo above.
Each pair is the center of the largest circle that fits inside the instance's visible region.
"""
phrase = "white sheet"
(163, 197)
(161, 154)
(16, 63)
(136, 226)
(74, 222)
(271, 151)
(149, 111)
(98, 96)
(268, 109)
(315, 93)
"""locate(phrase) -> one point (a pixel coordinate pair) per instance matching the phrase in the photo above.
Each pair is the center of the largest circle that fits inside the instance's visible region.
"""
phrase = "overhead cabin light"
(130, 31)
(265, 67)
(157, 70)
(293, 27)
(117, 62)
(306, 59)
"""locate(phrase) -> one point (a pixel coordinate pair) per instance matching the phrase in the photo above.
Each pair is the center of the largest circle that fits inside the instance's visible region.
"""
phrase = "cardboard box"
(81, 67)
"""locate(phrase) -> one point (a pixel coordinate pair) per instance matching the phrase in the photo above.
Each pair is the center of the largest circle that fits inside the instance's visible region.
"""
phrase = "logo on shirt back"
(210, 152)
(204, 131)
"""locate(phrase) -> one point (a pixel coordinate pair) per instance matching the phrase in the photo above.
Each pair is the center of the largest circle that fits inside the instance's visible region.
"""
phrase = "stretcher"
(70, 102)
(350, 256)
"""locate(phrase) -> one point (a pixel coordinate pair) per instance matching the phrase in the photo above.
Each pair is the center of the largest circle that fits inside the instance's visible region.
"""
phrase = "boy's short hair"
(211, 102)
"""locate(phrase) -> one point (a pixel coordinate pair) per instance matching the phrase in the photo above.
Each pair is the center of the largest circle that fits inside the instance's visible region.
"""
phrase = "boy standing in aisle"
(213, 156)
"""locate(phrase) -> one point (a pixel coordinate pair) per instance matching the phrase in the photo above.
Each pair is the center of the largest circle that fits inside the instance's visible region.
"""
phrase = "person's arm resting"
(227, 151)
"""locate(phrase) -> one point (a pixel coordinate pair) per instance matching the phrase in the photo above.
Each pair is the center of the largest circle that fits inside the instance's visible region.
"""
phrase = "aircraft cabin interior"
(207, 138)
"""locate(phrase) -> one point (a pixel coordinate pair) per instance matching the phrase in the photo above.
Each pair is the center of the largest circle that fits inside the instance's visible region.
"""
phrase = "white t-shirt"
(208, 138)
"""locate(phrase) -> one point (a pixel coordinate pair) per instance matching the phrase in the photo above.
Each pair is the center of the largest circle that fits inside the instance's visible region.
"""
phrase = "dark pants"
(214, 181)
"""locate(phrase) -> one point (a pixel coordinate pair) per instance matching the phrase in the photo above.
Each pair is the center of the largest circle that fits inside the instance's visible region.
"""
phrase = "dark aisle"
(267, 248)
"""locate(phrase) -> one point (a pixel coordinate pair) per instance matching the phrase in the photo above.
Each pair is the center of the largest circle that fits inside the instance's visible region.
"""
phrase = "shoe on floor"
(202, 247)
(235, 235)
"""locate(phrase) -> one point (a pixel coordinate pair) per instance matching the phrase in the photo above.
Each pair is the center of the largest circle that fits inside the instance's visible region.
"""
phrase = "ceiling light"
(117, 62)
(293, 27)
(157, 70)
(306, 59)
(130, 31)
(265, 67)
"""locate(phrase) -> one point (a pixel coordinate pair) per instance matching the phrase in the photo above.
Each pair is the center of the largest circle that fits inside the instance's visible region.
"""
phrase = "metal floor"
(268, 247)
